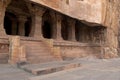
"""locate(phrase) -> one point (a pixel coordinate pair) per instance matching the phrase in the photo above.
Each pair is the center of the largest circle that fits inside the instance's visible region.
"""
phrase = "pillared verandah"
(63, 34)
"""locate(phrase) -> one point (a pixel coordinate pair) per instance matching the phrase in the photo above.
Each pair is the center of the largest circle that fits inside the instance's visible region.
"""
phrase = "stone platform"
(51, 67)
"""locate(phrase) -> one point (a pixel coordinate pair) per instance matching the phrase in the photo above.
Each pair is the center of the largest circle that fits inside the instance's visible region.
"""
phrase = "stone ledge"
(51, 67)
(77, 44)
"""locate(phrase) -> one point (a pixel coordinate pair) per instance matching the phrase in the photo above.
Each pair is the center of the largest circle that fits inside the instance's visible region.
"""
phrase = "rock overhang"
(88, 11)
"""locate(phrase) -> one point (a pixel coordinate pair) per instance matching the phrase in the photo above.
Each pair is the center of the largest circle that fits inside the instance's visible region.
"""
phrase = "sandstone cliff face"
(110, 18)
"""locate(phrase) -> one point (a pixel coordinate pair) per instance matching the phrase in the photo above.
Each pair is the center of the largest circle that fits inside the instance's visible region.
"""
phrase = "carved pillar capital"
(39, 11)
(71, 21)
(22, 18)
(53, 16)
(59, 17)
(36, 10)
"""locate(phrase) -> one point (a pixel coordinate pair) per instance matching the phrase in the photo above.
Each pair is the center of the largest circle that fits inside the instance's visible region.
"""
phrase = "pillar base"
(74, 40)
(38, 37)
(59, 39)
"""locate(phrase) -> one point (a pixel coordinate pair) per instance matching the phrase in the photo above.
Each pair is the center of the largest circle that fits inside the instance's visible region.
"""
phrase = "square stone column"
(37, 14)
(58, 27)
(3, 5)
(14, 26)
(21, 26)
(71, 29)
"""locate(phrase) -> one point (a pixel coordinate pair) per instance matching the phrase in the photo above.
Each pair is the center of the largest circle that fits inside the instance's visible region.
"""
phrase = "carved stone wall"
(72, 50)
(4, 51)
(4, 48)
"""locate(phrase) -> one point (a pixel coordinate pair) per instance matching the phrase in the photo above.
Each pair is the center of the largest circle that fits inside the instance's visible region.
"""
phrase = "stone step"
(4, 55)
(37, 45)
(4, 58)
(38, 53)
(3, 61)
(37, 49)
(34, 47)
(40, 59)
(51, 67)
(32, 43)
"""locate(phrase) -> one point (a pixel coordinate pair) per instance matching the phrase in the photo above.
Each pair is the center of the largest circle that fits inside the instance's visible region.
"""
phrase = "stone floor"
(91, 69)
(11, 72)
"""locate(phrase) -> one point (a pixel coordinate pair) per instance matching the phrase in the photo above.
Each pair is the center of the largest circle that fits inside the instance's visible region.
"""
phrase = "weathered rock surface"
(80, 9)
(111, 20)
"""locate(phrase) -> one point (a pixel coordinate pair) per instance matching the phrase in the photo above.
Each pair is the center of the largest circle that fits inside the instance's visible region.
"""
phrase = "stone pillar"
(14, 49)
(58, 27)
(21, 26)
(71, 31)
(80, 34)
(83, 33)
(54, 25)
(36, 30)
(3, 5)
(17, 52)
(14, 26)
